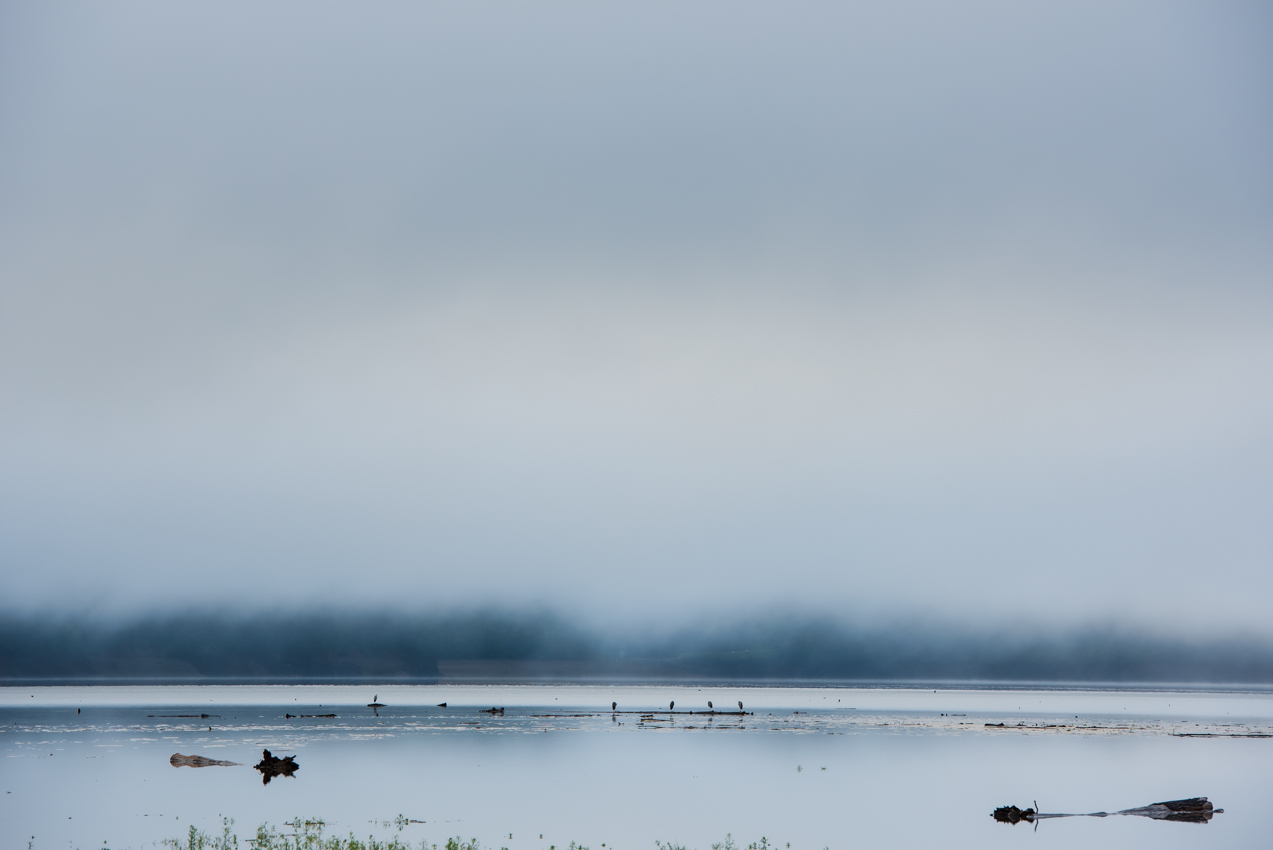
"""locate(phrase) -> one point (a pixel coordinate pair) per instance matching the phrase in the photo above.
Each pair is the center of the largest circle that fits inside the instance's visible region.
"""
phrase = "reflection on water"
(1191, 810)
(816, 767)
(178, 760)
(272, 766)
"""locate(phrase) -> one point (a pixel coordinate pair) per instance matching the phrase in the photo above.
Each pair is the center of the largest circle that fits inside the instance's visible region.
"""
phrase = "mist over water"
(499, 646)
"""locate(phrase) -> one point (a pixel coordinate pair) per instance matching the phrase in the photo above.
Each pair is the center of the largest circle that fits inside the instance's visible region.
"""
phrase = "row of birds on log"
(671, 706)
(614, 706)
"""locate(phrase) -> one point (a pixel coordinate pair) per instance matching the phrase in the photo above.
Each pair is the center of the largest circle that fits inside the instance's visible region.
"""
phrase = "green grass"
(307, 834)
(304, 834)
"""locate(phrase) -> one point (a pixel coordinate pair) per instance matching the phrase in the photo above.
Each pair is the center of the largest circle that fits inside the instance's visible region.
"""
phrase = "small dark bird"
(614, 706)
(709, 703)
(740, 705)
(671, 705)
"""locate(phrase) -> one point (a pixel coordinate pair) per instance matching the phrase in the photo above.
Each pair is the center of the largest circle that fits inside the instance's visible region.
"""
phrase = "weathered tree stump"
(271, 766)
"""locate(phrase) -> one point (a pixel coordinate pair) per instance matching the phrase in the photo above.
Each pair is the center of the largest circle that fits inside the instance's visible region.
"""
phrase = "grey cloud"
(638, 309)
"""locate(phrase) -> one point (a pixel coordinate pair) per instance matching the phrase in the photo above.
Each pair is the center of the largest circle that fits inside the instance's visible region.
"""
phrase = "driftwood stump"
(271, 766)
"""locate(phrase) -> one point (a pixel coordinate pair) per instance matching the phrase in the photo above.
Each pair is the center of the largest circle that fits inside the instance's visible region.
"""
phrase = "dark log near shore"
(272, 766)
(290, 716)
(1191, 810)
(716, 713)
(496, 711)
(178, 760)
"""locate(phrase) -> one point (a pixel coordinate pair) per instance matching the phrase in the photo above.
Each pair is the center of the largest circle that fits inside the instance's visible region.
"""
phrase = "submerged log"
(178, 760)
(1011, 814)
(1191, 810)
(498, 711)
(272, 766)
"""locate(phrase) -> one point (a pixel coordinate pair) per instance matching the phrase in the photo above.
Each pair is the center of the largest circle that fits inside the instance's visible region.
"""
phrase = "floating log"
(290, 716)
(178, 760)
(271, 766)
(716, 713)
(497, 711)
(1191, 810)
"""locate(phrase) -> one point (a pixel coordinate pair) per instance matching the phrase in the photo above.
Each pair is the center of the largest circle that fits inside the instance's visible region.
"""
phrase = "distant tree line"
(508, 646)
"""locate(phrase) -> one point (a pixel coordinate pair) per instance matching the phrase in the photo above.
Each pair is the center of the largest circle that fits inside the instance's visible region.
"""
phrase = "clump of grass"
(727, 844)
(197, 839)
(308, 834)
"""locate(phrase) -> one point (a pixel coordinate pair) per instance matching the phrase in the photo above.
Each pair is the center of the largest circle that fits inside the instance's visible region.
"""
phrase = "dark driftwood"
(178, 760)
(271, 766)
(290, 716)
(716, 713)
(1192, 810)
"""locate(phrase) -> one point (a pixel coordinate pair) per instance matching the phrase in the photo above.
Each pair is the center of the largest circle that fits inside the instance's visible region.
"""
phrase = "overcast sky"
(640, 310)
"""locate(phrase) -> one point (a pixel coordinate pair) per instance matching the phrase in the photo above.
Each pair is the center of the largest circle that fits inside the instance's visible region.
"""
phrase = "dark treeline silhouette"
(501, 646)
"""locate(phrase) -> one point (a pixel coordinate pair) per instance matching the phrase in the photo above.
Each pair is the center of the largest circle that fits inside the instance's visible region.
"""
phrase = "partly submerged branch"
(178, 760)
(1192, 810)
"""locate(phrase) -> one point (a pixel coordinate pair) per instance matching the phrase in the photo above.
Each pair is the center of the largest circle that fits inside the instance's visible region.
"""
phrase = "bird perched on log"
(671, 705)
(709, 704)
(740, 705)
(614, 706)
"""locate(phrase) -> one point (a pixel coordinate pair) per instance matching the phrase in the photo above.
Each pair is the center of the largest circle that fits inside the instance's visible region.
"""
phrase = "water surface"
(812, 767)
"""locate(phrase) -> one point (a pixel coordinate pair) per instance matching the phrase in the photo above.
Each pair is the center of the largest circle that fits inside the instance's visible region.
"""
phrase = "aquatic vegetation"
(727, 844)
(307, 834)
(197, 839)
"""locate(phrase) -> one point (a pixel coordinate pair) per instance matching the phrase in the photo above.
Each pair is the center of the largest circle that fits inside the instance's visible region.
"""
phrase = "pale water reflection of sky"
(897, 774)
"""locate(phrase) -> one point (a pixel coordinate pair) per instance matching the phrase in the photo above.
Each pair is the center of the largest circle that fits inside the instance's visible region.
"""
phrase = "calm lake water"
(808, 767)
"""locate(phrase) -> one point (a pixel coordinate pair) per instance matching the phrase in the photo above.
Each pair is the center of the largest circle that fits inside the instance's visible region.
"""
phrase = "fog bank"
(506, 647)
